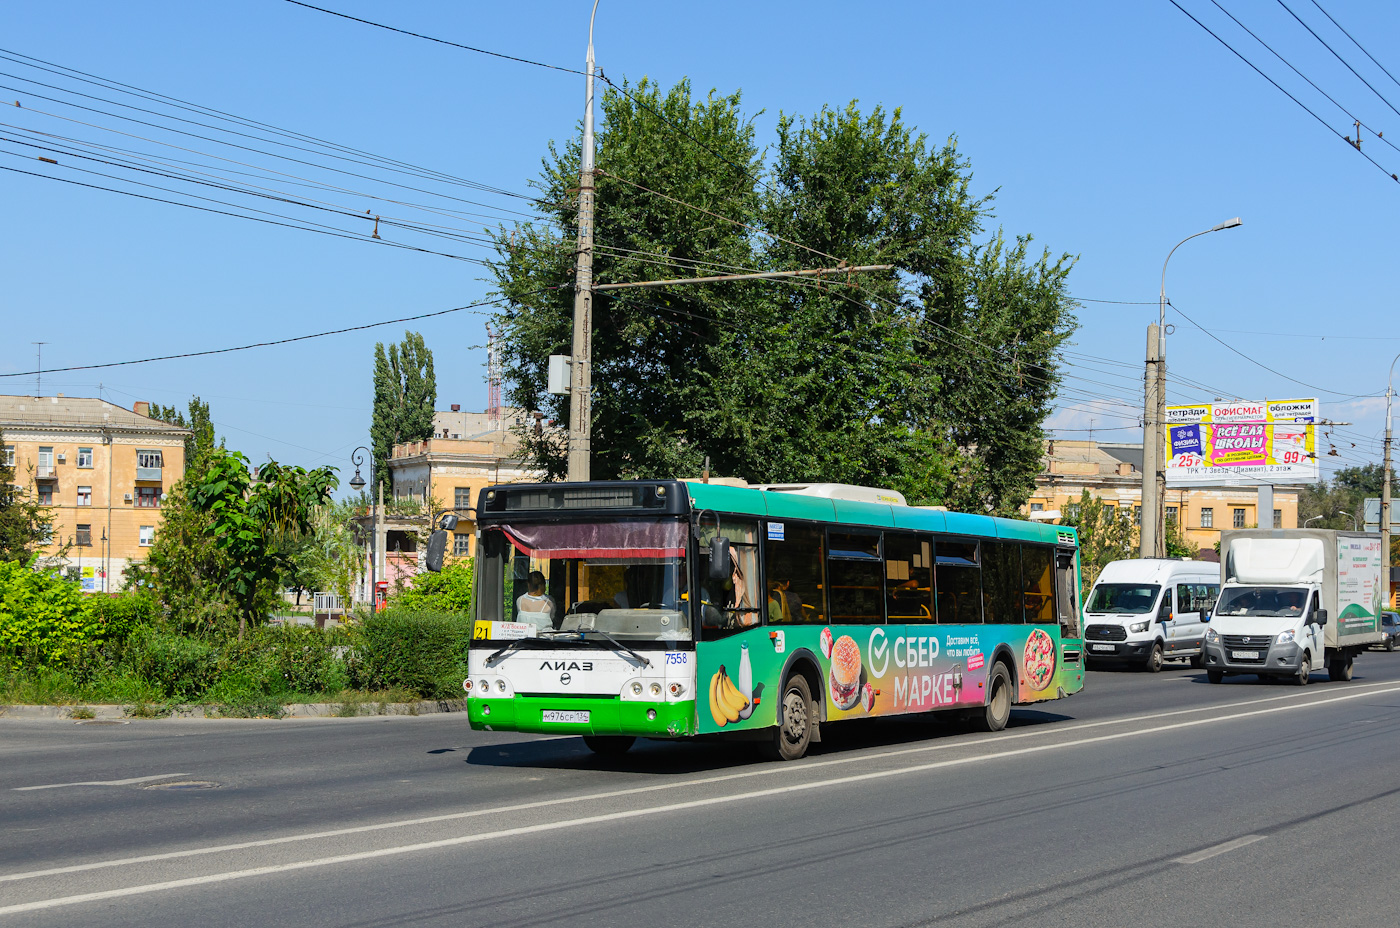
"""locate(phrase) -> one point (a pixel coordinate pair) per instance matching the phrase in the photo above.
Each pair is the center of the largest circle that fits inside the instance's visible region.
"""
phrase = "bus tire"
(1155, 659)
(609, 745)
(995, 714)
(792, 736)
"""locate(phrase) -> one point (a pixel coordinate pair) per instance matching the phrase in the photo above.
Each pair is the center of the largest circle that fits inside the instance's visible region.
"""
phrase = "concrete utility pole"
(1385, 486)
(1154, 483)
(581, 386)
(1151, 452)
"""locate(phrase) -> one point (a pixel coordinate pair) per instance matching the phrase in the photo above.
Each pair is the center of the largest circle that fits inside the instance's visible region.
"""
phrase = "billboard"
(1242, 443)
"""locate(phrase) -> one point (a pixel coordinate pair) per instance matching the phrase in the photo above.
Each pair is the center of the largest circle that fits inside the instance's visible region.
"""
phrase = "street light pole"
(1154, 485)
(1385, 485)
(581, 373)
(358, 483)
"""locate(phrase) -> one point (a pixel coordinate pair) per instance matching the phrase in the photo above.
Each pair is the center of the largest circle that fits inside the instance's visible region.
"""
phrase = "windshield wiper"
(513, 646)
(582, 633)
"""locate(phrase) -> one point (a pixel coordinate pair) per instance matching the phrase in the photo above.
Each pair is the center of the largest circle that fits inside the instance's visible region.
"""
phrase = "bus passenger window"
(732, 604)
(1038, 584)
(908, 578)
(794, 559)
(857, 578)
(958, 581)
(1001, 583)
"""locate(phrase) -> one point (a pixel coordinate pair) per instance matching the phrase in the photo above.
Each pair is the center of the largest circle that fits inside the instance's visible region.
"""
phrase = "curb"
(315, 710)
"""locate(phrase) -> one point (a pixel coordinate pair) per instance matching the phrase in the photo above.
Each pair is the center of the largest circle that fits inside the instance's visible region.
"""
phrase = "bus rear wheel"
(995, 714)
(609, 745)
(793, 736)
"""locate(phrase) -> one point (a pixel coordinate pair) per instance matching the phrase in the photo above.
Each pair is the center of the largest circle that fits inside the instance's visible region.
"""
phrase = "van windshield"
(1262, 600)
(1124, 598)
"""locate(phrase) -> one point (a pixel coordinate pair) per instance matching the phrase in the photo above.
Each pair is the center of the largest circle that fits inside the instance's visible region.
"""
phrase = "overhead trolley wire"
(1356, 43)
(1314, 34)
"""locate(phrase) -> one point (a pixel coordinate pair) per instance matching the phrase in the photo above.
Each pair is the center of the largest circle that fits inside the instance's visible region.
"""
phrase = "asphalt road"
(1145, 800)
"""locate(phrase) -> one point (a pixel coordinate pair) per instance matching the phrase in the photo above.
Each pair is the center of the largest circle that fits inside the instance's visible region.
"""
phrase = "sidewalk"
(320, 710)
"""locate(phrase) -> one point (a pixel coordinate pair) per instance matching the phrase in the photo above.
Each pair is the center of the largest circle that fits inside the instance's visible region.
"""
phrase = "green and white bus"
(674, 609)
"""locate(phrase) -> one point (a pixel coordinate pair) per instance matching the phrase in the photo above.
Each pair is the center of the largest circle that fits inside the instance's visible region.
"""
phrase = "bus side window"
(1038, 584)
(794, 562)
(1164, 611)
(908, 578)
(957, 581)
(1001, 583)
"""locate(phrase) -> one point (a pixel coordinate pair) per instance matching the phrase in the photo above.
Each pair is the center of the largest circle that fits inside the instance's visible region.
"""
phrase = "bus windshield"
(624, 578)
(1124, 598)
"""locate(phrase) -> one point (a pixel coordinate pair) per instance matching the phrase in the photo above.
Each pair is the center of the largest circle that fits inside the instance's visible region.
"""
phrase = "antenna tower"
(493, 375)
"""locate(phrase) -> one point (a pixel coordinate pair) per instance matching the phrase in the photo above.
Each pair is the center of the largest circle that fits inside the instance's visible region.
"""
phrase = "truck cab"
(1272, 630)
(1150, 610)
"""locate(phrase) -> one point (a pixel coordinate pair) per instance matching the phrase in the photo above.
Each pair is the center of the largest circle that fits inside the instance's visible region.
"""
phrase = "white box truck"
(1293, 601)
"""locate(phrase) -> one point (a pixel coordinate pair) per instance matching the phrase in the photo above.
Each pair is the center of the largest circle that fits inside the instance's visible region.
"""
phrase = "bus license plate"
(1102, 647)
(1245, 655)
(573, 716)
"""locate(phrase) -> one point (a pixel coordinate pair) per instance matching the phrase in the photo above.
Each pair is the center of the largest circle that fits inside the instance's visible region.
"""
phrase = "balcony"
(45, 472)
(148, 473)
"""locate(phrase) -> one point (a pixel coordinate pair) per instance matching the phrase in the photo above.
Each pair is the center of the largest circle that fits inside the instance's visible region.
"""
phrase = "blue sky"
(1109, 130)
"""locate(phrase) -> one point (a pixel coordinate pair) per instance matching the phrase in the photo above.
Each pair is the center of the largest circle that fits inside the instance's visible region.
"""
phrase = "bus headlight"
(656, 689)
(1138, 627)
(501, 685)
(636, 689)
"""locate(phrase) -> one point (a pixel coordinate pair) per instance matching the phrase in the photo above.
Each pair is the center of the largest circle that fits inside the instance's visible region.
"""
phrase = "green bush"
(449, 590)
(181, 667)
(43, 618)
(425, 652)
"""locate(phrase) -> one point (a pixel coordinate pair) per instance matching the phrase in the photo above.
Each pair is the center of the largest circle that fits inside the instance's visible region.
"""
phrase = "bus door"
(1067, 601)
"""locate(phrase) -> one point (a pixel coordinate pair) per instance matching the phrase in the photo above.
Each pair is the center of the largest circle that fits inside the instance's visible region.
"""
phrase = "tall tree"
(933, 378)
(405, 394)
(201, 425)
(24, 524)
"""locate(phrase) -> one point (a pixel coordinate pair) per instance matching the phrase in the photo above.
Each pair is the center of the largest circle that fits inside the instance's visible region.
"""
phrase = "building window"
(84, 496)
(148, 535)
(85, 457)
(84, 536)
(1137, 516)
(1110, 510)
(46, 459)
(45, 494)
(9, 455)
(462, 497)
(461, 544)
(1071, 510)
(1037, 507)
(148, 497)
(1207, 517)
(1278, 518)
(148, 459)
(1239, 519)
(46, 535)
(1171, 513)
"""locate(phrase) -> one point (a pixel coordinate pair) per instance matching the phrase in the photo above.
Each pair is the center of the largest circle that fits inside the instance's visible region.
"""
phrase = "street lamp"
(1154, 488)
(1313, 519)
(1349, 515)
(1385, 486)
(358, 483)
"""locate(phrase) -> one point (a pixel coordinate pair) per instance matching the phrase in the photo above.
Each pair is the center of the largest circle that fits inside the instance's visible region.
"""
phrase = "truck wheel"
(1198, 660)
(994, 715)
(1339, 670)
(790, 739)
(1304, 675)
(1215, 676)
(608, 745)
(1390, 644)
(1155, 659)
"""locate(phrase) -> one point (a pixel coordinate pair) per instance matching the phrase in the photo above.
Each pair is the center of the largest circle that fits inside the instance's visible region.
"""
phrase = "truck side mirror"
(1320, 617)
(719, 558)
(437, 549)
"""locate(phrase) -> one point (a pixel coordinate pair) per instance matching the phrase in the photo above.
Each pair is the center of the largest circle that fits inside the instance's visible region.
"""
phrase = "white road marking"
(746, 774)
(1210, 852)
(486, 838)
(128, 782)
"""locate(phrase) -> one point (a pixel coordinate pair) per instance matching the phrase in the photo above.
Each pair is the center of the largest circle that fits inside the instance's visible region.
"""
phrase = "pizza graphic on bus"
(1039, 660)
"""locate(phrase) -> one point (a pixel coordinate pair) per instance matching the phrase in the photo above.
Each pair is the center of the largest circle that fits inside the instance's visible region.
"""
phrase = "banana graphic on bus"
(727, 702)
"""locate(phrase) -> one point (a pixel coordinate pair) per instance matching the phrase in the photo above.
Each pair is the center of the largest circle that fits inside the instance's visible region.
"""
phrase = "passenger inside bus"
(535, 606)
(783, 604)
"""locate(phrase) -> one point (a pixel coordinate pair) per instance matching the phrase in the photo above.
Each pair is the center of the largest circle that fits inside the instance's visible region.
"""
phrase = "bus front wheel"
(994, 715)
(793, 735)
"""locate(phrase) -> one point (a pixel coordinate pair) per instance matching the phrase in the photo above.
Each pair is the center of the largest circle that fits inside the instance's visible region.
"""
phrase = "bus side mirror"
(449, 522)
(437, 549)
(719, 558)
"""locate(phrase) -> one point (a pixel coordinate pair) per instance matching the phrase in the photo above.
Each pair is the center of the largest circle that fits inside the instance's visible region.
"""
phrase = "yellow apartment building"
(1113, 473)
(102, 470)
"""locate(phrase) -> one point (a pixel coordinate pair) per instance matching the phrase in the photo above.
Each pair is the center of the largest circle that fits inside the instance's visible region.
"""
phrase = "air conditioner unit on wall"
(62, 457)
(126, 497)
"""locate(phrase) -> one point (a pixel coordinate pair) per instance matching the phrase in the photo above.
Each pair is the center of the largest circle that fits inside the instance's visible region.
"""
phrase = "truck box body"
(1347, 567)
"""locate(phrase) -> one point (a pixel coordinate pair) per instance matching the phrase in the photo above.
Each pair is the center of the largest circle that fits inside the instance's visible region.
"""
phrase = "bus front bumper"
(584, 716)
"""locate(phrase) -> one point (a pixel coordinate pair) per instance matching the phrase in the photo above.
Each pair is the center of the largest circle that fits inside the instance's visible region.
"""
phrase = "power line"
(268, 344)
(1280, 88)
(1356, 43)
(1339, 57)
(419, 35)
